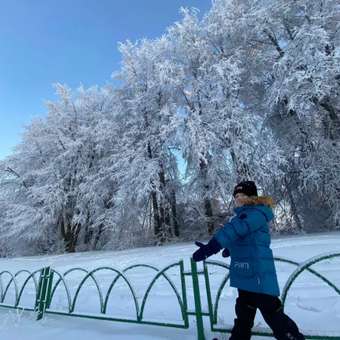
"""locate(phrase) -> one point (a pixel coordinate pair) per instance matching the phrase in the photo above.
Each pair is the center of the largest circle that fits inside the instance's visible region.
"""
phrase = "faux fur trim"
(253, 200)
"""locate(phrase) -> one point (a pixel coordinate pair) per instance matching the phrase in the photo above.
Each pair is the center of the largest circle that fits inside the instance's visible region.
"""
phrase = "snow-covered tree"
(304, 94)
(147, 167)
(251, 90)
(61, 191)
(290, 58)
(223, 141)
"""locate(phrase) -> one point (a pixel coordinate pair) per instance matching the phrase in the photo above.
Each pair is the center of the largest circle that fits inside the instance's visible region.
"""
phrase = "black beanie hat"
(246, 187)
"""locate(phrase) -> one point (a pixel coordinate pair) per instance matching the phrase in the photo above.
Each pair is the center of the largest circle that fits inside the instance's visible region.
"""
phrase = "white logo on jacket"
(242, 265)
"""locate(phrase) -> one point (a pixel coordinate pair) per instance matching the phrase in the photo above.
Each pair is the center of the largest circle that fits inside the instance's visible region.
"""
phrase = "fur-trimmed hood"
(261, 203)
(254, 200)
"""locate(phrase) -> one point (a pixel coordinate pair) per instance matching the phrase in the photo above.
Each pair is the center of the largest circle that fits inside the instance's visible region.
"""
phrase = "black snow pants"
(271, 309)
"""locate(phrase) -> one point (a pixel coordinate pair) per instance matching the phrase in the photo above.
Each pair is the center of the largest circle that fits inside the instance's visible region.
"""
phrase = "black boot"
(284, 328)
(244, 322)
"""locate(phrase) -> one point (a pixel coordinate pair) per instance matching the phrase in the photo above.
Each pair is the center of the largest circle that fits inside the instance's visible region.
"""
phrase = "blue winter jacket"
(247, 237)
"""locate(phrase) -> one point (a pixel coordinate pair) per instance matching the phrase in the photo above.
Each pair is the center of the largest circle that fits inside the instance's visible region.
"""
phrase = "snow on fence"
(80, 293)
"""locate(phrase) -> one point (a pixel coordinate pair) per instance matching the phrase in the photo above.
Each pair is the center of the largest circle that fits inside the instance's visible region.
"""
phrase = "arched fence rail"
(46, 281)
(300, 268)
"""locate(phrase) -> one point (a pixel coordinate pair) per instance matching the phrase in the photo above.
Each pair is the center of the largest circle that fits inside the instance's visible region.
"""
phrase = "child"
(247, 240)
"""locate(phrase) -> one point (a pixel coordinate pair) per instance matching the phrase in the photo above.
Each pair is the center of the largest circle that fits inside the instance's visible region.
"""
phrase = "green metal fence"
(213, 304)
(46, 281)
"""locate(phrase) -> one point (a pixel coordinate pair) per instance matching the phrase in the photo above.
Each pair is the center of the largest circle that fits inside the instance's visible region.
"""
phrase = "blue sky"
(67, 41)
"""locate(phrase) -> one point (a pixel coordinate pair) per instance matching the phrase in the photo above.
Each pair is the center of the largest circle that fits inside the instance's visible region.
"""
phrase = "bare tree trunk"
(209, 215)
(208, 211)
(88, 235)
(164, 207)
(68, 232)
(155, 205)
(88, 231)
(241, 169)
(98, 235)
(293, 206)
(156, 218)
(70, 246)
(174, 212)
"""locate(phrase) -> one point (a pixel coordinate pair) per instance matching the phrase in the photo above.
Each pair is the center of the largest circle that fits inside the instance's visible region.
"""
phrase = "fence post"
(44, 292)
(197, 298)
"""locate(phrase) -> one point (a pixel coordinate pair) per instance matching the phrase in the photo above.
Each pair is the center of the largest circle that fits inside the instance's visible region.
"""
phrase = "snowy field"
(310, 302)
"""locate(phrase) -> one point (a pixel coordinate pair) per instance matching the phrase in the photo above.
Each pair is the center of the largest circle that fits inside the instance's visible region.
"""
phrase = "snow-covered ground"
(311, 303)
